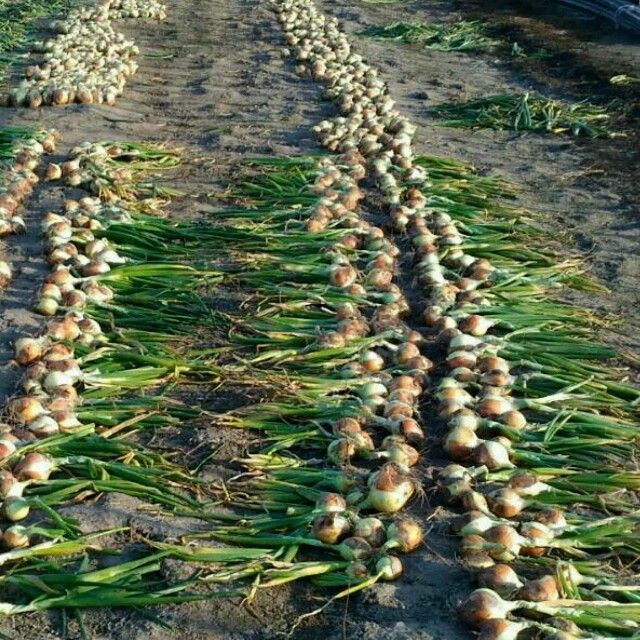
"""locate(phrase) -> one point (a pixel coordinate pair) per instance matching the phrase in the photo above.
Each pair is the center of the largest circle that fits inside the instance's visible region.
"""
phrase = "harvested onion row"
(18, 178)
(74, 230)
(88, 61)
(478, 390)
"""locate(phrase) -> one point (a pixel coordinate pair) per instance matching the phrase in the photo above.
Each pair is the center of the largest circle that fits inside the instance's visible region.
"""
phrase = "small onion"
(330, 527)
(34, 466)
(405, 534)
(390, 489)
(371, 529)
(501, 578)
(502, 629)
(483, 605)
(16, 508)
(16, 537)
(389, 567)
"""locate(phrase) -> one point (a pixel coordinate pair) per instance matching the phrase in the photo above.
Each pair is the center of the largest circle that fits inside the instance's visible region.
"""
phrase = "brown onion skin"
(540, 590)
(477, 609)
(493, 629)
(500, 578)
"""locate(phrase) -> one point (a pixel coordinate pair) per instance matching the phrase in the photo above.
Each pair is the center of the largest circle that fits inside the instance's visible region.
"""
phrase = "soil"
(212, 81)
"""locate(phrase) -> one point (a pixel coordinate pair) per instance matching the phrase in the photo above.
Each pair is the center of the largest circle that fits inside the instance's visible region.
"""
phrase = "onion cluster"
(46, 408)
(17, 181)
(475, 397)
(366, 541)
(53, 374)
(88, 61)
(77, 257)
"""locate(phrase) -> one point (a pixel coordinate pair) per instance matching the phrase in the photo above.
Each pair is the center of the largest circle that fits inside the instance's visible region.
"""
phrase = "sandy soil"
(213, 82)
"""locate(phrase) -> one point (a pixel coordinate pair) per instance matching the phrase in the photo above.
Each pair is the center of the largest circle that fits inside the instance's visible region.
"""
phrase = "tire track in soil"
(224, 93)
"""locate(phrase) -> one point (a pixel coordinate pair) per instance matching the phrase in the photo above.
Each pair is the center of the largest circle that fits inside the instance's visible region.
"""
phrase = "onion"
(372, 389)
(501, 578)
(28, 350)
(354, 548)
(538, 534)
(493, 454)
(7, 448)
(371, 529)
(389, 567)
(408, 428)
(501, 629)
(463, 342)
(57, 379)
(474, 501)
(46, 307)
(405, 534)
(477, 523)
(506, 542)
(460, 443)
(401, 453)
(506, 503)
(345, 426)
(513, 419)
(16, 508)
(405, 352)
(465, 418)
(493, 363)
(372, 361)
(341, 451)
(34, 466)
(457, 359)
(540, 590)
(44, 426)
(483, 605)
(390, 489)
(342, 275)
(25, 409)
(330, 527)
(58, 351)
(16, 537)
(357, 571)
(553, 518)
(475, 325)
(406, 383)
(527, 484)
(493, 406)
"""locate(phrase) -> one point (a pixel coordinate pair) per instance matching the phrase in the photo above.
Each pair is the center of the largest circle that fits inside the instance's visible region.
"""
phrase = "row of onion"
(18, 178)
(87, 61)
(476, 392)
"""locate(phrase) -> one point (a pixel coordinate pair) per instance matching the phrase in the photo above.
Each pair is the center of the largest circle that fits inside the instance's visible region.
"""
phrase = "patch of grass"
(526, 112)
(457, 36)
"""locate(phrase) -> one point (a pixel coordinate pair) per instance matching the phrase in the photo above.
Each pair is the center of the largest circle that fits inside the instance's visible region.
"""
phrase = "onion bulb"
(16, 508)
(330, 503)
(389, 567)
(28, 350)
(502, 629)
(34, 466)
(540, 590)
(390, 489)
(483, 605)
(501, 578)
(330, 527)
(16, 537)
(371, 529)
(405, 534)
